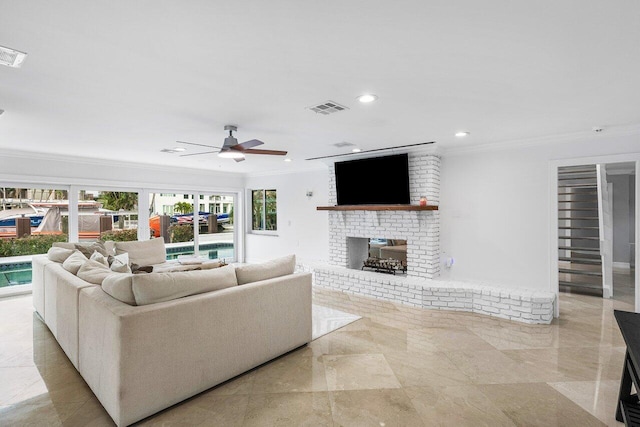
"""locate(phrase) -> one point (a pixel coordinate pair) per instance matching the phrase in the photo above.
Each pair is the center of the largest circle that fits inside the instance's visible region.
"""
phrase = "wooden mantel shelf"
(378, 208)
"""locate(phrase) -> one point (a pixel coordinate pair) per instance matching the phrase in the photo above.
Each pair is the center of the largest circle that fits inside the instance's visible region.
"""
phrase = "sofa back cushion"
(108, 246)
(94, 271)
(73, 263)
(158, 287)
(118, 285)
(266, 270)
(144, 252)
(59, 255)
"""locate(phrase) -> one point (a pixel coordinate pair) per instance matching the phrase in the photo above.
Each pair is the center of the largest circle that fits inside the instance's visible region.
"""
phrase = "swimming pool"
(20, 273)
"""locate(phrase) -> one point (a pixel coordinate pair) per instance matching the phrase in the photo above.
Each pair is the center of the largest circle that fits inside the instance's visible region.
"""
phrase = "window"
(264, 210)
(216, 239)
(107, 215)
(31, 221)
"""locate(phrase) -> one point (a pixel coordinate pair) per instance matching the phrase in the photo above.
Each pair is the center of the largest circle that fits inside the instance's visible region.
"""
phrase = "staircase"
(580, 265)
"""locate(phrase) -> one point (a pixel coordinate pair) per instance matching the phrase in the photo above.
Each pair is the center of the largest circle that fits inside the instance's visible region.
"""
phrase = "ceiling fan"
(232, 150)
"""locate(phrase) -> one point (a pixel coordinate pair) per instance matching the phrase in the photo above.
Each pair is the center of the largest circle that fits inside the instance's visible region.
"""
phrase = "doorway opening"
(596, 229)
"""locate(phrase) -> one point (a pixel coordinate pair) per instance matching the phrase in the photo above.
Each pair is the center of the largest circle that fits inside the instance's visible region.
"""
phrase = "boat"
(46, 217)
(154, 221)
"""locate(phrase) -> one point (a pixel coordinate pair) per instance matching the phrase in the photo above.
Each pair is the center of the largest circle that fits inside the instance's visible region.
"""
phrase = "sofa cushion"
(266, 270)
(88, 249)
(119, 286)
(158, 287)
(144, 252)
(93, 271)
(74, 262)
(120, 263)
(108, 246)
(59, 254)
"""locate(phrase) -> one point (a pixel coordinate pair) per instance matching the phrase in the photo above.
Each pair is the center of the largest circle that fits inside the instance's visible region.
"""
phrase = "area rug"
(327, 320)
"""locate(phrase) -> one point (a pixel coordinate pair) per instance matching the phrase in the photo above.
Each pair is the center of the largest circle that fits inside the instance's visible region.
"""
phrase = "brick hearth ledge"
(520, 305)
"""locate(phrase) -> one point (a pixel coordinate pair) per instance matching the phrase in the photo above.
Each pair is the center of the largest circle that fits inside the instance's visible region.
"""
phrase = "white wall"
(301, 228)
(494, 208)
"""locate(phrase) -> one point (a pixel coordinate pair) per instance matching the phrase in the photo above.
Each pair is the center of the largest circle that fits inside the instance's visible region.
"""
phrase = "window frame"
(262, 231)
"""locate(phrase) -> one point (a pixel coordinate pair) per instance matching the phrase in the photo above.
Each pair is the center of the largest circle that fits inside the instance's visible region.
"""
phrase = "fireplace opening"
(377, 254)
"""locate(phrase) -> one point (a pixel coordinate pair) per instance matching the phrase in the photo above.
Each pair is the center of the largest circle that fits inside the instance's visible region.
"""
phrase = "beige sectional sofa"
(140, 359)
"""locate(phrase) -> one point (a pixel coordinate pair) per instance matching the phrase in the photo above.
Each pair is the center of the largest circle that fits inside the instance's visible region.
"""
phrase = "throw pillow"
(266, 270)
(59, 254)
(159, 287)
(120, 263)
(138, 269)
(146, 252)
(97, 256)
(74, 262)
(94, 272)
(88, 249)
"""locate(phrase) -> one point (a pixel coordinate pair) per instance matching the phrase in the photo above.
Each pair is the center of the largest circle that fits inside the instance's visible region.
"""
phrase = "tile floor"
(397, 366)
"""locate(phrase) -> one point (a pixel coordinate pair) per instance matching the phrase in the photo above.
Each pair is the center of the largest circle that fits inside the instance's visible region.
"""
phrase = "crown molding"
(614, 131)
(31, 155)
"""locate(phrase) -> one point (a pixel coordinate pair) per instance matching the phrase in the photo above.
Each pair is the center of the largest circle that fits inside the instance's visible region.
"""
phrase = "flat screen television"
(373, 181)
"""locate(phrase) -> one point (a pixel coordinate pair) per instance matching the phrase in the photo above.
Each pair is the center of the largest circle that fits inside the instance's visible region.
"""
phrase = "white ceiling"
(124, 79)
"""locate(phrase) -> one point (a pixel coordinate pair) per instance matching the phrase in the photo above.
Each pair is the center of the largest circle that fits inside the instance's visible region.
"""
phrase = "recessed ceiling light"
(287, 160)
(179, 149)
(356, 150)
(367, 97)
(462, 134)
(231, 154)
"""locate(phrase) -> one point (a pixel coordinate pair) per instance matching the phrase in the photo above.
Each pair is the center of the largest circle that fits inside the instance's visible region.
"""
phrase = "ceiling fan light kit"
(231, 154)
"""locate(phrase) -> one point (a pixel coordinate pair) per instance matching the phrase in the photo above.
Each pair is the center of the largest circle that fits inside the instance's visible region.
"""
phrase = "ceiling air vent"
(343, 144)
(328, 107)
(11, 58)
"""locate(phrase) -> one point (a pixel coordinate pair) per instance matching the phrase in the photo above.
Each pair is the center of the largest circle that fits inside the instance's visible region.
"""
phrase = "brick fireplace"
(349, 233)
(421, 229)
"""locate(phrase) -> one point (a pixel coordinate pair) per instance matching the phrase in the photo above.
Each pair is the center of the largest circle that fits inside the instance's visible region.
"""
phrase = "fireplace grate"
(389, 265)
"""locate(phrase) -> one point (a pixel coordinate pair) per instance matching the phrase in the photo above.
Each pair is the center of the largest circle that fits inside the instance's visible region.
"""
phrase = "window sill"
(263, 233)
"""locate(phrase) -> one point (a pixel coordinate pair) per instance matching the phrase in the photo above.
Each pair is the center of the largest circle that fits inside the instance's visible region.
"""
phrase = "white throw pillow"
(74, 262)
(267, 270)
(145, 252)
(59, 254)
(158, 287)
(97, 256)
(119, 286)
(93, 271)
(120, 263)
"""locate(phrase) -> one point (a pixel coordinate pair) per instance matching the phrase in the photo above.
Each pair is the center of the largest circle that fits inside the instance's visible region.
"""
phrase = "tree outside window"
(264, 210)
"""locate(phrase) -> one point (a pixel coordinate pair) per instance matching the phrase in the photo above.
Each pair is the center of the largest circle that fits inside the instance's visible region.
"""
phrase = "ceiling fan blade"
(241, 159)
(251, 143)
(197, 154)
(270, 152)
(193, 143)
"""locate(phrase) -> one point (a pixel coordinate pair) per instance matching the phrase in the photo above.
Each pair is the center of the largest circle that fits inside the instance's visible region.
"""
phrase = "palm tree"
(183, 207)
(117, 200)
